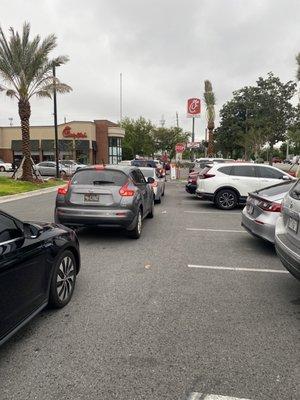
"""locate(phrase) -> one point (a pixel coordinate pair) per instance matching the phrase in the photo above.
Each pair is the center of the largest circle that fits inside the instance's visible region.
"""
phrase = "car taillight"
(154, 184)
(269, 206)
(125, 192)
(206, 176)
(64, 190)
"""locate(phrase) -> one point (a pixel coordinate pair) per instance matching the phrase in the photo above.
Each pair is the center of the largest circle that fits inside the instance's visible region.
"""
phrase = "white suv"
(5, 167)
(228, 185)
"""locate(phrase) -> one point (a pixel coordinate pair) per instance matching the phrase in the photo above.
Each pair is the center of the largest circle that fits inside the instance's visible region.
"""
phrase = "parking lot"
(195, 306)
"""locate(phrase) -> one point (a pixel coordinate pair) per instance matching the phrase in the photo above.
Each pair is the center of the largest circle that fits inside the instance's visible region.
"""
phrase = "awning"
(47, 145)
(16, 145)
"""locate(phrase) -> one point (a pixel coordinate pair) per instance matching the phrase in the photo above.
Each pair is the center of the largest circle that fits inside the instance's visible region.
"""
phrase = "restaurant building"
(88, 142)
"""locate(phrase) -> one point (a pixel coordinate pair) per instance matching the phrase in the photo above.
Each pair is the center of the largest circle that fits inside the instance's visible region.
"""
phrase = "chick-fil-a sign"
(75, 135)
(193, 107)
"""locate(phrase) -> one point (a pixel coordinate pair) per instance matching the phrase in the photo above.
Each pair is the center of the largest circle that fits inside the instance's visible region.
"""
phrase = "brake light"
(206, 176)
(125, 192)
(269, 206)
(154, 184)
(64, 190)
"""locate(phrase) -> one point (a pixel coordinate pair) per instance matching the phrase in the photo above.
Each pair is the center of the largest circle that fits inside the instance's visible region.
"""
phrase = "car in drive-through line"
(287, 232)
(159, 183)
(228, 185)
(38, 266)
(106, 196)
(262, 209)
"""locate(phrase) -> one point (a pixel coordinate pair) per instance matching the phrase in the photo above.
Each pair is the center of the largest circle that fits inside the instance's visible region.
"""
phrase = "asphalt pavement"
(162, 318)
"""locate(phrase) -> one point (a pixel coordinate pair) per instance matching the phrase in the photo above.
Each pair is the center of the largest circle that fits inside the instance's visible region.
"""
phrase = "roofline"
(50, 126)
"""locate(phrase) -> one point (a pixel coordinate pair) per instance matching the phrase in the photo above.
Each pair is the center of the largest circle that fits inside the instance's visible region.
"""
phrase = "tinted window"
(225, 170)
(266, 172)
(275, 190)
(135, 176)
(8, 229)
(295, 192)
(141, 176)
(99, 177)
(243, 170)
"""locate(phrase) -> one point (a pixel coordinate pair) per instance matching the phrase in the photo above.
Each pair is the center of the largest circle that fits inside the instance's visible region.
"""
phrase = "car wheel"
(2, 169)
(135, 233)
(226, 199)
(63, 280)
(158, 201)
(151, 213)
(62, 174)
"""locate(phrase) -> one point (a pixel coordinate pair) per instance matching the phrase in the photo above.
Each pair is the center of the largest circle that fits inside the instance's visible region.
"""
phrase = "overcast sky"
(164, 48)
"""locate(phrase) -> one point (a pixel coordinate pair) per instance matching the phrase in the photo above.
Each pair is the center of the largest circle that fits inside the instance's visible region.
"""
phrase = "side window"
(243, 170)
(266, 172)
(225, 170)
(141, 177)
(8, 229)
(135, 176)
(295, 191)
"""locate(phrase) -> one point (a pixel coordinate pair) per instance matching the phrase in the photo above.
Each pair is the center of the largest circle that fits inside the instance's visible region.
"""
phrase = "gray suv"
(287, 232)
(106, 196)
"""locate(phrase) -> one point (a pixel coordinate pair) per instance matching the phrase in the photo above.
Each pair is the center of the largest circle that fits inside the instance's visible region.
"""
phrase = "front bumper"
(71, 216)
(265, 231)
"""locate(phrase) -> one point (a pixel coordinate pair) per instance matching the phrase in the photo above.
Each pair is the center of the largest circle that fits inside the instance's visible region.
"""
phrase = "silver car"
(48, 168)
(287, 233)
(159, 182)
(262, 210)
(106, 196)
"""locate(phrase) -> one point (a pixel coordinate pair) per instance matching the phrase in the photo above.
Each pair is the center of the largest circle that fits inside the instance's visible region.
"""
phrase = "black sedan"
(38, 266)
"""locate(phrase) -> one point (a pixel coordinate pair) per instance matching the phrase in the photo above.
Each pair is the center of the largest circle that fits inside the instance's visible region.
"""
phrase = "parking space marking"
(200, 396)
(215, 230)
(274, 271)
(213, 212)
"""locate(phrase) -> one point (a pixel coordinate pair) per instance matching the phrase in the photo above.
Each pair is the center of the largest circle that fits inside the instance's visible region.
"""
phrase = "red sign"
(193, 107)
(76, 135)
(180, 147)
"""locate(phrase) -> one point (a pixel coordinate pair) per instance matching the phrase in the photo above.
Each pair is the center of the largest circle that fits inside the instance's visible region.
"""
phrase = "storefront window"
(114, 150)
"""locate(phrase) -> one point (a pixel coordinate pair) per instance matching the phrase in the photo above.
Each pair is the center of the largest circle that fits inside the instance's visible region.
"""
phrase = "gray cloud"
(164, 48)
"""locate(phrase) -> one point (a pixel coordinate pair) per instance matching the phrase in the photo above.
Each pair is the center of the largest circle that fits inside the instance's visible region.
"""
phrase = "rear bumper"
(71, 216)
(190, 188)
(265, 231)
(288, 257)
(205, 195)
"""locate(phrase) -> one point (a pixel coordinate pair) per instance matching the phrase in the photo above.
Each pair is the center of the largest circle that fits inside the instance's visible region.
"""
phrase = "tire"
(63, 280)
(2, 169)
(135, 233)
(226, 199)
(158, 201)
(151, 213)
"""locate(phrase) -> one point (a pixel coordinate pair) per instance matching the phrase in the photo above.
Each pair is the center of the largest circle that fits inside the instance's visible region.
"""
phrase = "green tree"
(210, 102)
(165, 139)
(26, 71)
(138, 138)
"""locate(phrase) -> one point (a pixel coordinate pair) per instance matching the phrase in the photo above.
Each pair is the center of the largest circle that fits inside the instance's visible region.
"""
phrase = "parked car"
(71, 166)
(149, 163)
(287, 232)
(229, 185)
(277, 160)
(38, 266)
(191, 185)
(262, 210)
(106, 196)
(287, 161)
(158, 185)
(5, 167)
(48, 168)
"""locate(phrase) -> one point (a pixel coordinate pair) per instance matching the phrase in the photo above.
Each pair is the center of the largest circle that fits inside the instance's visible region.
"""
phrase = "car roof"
(116, 167)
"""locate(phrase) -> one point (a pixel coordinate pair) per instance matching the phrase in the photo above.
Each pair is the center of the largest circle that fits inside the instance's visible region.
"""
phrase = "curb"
(32, 193)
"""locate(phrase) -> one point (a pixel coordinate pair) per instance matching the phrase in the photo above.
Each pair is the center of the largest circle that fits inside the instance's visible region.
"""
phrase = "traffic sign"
(180, 147)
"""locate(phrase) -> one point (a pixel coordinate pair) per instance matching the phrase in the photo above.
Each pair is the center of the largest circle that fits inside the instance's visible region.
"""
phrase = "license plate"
(250, 209)
(91, 197)
(293, 224)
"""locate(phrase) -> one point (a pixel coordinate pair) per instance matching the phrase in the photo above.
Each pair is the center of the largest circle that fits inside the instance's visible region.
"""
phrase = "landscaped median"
(9, 186)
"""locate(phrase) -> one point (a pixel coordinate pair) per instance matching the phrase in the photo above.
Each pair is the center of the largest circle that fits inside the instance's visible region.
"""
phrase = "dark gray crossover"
(106, 196)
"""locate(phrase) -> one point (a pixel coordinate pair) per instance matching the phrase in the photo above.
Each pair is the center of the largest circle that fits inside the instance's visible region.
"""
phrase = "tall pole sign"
(193, 111)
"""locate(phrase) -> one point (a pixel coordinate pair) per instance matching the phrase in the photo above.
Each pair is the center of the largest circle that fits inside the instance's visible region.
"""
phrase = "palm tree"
(26, 71)
(210, 102)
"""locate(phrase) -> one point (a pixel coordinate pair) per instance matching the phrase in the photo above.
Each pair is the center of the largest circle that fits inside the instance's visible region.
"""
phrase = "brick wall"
(102, 140)
(6, 155)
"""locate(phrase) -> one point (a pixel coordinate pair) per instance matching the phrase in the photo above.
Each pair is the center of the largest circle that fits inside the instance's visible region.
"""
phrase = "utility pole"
(55, 122)
(10, 121)
(193, 138)
(121, 97)
(177, 122)
(162, 121)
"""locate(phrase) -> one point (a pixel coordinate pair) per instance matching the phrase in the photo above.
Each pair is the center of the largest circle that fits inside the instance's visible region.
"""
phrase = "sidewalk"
(19, 196)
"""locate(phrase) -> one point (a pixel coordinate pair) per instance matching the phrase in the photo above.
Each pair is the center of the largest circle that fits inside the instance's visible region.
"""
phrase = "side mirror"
(31, 231)
(286, 178)
(150, 180)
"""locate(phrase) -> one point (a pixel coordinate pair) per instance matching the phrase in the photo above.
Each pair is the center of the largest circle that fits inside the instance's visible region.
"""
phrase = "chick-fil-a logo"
(76, 135)
(193, 107)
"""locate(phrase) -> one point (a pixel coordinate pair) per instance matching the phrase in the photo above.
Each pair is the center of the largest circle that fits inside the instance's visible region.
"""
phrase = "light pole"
(55, 123)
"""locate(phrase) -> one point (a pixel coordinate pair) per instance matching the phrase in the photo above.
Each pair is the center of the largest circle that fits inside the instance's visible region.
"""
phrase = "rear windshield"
(205, 170)
(148, 172)
(275, 190)
(99, 177)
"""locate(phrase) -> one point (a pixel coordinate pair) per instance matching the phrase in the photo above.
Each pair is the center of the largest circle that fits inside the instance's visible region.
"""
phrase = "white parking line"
(213, 212)
(275, 271)
(200, 396)
(215, 230)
